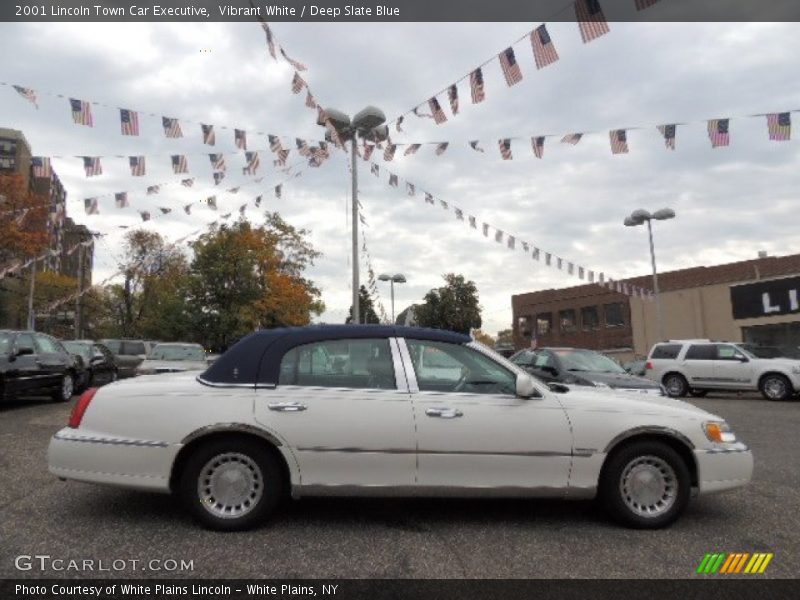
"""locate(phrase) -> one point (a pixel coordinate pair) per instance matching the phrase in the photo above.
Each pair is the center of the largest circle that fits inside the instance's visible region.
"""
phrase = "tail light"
(80, 408)
(648, 366)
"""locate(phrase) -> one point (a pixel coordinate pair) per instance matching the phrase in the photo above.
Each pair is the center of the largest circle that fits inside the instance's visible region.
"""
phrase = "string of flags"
(52, 252)
(512, 242)
(592, 24)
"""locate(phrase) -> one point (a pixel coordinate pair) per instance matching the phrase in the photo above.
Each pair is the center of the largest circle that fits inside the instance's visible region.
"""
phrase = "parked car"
(128, 354)
(636, 367)
(35, 364)
(173, 358)
(100, 367)
(577, 366)
(346, 410)
(771, 351)
(696, 367)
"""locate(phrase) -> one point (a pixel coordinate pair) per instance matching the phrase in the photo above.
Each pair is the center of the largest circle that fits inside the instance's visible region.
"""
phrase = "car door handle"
(444, 413)
(287, 406)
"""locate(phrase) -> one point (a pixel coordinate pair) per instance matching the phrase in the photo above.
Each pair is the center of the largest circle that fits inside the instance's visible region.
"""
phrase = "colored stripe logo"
(734, 562)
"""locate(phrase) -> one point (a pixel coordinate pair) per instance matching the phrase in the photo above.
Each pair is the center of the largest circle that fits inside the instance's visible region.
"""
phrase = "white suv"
(696, 367)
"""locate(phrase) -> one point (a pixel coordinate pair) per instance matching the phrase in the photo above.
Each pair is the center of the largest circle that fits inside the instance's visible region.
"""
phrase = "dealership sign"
(766, 298)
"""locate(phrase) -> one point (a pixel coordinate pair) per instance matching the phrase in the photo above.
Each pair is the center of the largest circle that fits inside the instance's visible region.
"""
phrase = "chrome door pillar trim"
(411, 374)
(400, 374)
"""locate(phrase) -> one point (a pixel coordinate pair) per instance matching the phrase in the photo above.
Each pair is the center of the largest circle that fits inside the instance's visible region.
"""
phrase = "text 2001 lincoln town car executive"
(383, 410)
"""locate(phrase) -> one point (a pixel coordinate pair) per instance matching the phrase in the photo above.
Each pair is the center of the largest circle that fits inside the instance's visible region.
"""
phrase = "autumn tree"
(453, 306)
(505, 337)
(49, 287)
(23, 220)
(483, 338)
(366, 309)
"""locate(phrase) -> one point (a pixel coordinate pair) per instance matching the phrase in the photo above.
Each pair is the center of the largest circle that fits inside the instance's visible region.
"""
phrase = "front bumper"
(724, 468)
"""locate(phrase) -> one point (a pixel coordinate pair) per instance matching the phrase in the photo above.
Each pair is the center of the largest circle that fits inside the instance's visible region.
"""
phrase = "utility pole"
(356, 290)
(78, 297)
(31, 315)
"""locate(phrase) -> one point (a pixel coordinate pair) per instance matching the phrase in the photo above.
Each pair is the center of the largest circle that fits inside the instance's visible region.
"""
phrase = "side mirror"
(742, 358)
(525, 387)
(559, 388)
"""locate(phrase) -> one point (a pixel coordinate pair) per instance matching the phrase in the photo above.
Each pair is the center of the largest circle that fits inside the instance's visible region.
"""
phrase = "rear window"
(666, 351)
(133, 348)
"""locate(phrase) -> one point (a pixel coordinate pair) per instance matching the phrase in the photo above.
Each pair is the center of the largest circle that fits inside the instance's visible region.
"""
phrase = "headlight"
(719, 431)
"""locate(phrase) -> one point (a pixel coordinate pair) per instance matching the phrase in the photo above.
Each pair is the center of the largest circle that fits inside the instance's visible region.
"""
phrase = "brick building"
(751, 301)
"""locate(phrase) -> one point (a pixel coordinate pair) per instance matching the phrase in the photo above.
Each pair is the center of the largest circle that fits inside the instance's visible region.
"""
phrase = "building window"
(6, 163)
(567, 319)
(7, 147)
(614, 315)
(590, 318)
(524, 326)
(544, 323)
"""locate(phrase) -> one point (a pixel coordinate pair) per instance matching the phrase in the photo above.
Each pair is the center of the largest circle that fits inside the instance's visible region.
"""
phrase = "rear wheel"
(676, 385)
(65, 390)
(645, 485)
(231, 484)
(776, 387)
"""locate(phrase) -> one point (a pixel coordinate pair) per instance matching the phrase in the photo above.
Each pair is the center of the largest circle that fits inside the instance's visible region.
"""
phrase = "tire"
(65, 389)
(258, 471)
(676, 385)
(698, 393)
(776, 387)
(630, 468)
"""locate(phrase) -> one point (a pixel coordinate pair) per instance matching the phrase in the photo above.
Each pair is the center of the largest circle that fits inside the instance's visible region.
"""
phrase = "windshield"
(6, 340)
(113, 345)
(84, 350)
(586, 360)
(176, 352)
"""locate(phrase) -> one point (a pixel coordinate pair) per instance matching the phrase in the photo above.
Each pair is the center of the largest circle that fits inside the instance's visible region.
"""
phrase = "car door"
(473, 432)
(698, 365)
(24, 373)
(54, 360)
(102, 365)
(344, 410)
(732, 368)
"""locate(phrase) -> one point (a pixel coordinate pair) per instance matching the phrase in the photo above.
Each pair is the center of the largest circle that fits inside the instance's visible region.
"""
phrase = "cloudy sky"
(731, 202)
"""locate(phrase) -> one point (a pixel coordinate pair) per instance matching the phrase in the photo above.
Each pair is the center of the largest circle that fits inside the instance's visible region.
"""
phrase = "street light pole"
(392, 279)
(31, 315)
(356, 290)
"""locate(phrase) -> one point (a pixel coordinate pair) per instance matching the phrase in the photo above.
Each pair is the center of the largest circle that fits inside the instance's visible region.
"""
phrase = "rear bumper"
(724, 468)
(136, 464)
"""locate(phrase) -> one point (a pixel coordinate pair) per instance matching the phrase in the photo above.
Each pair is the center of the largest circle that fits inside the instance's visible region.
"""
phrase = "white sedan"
(383, 410)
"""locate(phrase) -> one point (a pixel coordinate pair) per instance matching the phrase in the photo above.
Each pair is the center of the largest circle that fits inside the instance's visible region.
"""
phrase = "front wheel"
(645, 485)
(65, 390)
(676, 385)
(231, 484)
(776, 387)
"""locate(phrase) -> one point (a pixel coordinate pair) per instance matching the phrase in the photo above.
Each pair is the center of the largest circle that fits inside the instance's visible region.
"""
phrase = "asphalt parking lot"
(40, 515)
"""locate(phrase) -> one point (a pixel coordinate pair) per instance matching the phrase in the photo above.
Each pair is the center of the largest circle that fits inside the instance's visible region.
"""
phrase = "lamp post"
(397, 278)
(638, 217)
(367, 124)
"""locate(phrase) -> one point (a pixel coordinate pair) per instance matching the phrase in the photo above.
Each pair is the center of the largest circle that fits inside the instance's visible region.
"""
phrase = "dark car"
(100, 366)
(580, 367)
(35, 364)
(129, 354)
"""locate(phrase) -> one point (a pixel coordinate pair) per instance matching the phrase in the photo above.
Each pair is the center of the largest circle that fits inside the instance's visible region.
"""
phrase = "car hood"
(615, 380)
(172, 366)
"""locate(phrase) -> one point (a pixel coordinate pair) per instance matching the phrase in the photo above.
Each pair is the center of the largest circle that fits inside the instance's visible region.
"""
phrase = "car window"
(46, 344)
(25, 340)
(101, 350)
(729, 352)
(525, 357)
(6, 341)
(84, 350)
(701, 352)
(133, 348)
(443, 367)
(544, 359)
(360, 364)
(588, 360)
(176, 352)
(114, 345)
(666, 351)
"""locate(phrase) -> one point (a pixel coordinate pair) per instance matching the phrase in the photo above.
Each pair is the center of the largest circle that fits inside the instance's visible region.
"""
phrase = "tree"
(244, 278)
(366, 308)
(23, 220)
(453, 306)
(506, 336)
(48, 288)
(483, 338)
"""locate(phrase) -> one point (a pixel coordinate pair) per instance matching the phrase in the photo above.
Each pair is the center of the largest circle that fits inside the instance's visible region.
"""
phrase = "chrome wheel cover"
(775, 387)
(230, 485)
(67, 387)
(674, 385)
(648, 486)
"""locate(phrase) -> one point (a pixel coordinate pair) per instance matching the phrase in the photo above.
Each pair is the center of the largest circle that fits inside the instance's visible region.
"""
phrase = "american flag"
(548, 258)
(253, 162)
(187, 182)
(505, 148)
(28, 94)
(428, 198)
(779, 126)
(164, 210)
(91, 206)
(525, 246)
(153, 189)
(257, 201)
(388, 154)
(121, 199)
(441, 147)
(368, 149)
(444, 204)
(298, 83)
(270, 39)
(473, 222)
(436, 110)
(187, 208)
(485, 230)
(642, 4)
(233, 190)
(474, 145)
(278, 190)
(282, 155)
(242, 209)
(274, 142)
(544, 52)
(416, 112)
(668, 131)
(375, 169)
(129, 121)
(92, 166)
(240, 138)
(511, 71)
(590, 276)
(476, 86)
(217, 161)
(212, 202)
(40, 167)
(393, 179)
(218, 176)
(619, 141)
(209, 138)
(572, 138)
(512, 242)
(718, 132)
(591, 20)
(410, 188)
(145, 214)
(498, 236)
(580, 272)
(399, 123)
(559, 263)
(459, 214)
(172, 129)
(302, 147)
(570, 268)
(81, 112)
(452, 95)
(137, 165)
(297, 65)
(412, 149)
(537, 143)
(310, 102)
(179, 164)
